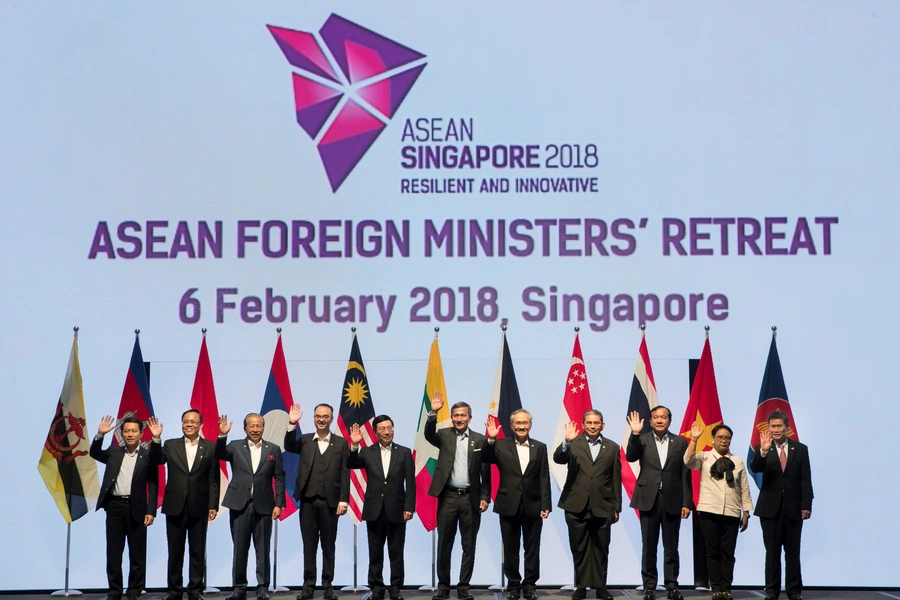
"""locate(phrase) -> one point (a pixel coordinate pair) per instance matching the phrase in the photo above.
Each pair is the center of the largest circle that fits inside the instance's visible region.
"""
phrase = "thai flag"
(642, 400)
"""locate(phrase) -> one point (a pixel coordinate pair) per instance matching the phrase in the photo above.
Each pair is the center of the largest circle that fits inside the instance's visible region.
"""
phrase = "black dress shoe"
(513, 593)
(304, 595)
(579, 594)
(329, 594)
(602, 594)
(263, 595)
(174, 596)
(462, 592)
(771, 597)
(674, 594)
(795, 597)
(396, 596)
(196, 597)
(649, 595)
(236, 596)
(528, 593)
(442, 593)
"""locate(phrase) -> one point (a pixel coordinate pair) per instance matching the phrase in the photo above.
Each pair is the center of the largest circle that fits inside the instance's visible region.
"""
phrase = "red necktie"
(782, 456)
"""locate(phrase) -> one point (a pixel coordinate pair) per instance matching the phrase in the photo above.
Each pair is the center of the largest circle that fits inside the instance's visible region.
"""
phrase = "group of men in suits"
(591, 498)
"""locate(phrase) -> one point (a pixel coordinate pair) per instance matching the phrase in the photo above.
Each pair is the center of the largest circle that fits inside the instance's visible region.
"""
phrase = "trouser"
(652, 521)
(121, 528)
(318, 522)
(246, 524)
(782, 532)
(512, 529)
(720, 533)
(589, 541)
(379, 531)
(181, 528)
(455, 510)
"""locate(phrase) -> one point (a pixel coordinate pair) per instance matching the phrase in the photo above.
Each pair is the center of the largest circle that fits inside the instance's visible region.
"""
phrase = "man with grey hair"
(523, 498)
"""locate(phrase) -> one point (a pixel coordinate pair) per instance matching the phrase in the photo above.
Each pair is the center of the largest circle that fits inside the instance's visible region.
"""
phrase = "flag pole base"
(640, 588)
(355, 588)
(278, 588)
(497, 587)
(66, 593)
(212, 590)
(567, 588)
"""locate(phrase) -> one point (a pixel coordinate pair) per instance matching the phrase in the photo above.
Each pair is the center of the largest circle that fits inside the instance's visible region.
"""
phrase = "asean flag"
(276, 405)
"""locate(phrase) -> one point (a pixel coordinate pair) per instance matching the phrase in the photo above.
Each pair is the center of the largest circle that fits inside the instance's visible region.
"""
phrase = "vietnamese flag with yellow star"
(703, 407)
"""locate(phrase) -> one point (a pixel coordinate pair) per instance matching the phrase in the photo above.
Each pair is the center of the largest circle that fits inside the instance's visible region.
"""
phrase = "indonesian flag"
(424, 454)
(504, 400)
(203, 400)
(576, 401)
(703, 407)
(642, 400)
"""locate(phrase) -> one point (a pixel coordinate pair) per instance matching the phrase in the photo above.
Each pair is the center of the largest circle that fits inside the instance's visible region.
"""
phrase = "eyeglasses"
(190, 422)
(723, 439)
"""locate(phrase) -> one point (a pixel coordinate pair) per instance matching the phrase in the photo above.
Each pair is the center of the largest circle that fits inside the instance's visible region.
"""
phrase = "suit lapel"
(181, 455)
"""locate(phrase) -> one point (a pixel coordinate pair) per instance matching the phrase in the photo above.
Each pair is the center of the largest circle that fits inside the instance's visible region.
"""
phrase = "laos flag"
(276, 404)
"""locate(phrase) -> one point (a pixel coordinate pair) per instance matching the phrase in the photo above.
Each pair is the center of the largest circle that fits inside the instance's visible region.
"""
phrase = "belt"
(458, 491)
(122, 498)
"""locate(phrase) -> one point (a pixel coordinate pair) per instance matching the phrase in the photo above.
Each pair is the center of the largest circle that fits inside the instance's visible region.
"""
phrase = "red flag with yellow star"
(703, 407)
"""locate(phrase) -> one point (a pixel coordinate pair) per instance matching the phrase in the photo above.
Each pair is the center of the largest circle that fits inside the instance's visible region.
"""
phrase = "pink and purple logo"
(344, 110)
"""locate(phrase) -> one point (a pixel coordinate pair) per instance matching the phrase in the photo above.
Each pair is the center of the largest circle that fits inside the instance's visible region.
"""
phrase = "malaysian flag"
(356, 408)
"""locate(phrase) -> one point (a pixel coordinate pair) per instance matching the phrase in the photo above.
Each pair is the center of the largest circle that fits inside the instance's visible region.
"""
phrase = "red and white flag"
(576, 400)
(642, 400)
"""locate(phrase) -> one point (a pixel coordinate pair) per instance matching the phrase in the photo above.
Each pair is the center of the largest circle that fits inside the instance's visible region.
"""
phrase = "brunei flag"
(276, 404)
(642, 400)
(772, 396)
(703, 407)
(65, 466)
(136, 403)
(576, 401)
(356, 408)
(424, 453)
(504, 400)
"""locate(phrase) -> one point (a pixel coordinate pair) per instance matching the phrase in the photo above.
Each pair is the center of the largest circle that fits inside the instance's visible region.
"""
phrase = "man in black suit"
(523, 499)
(322, 492)
(785, 501)
(190, 502)
(389, 503)
(662, 494)
(592, 499)
(462, 485)
(129, 495)
(253, 500)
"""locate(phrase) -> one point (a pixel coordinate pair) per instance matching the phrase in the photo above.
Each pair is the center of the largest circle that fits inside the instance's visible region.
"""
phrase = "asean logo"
(347, 89)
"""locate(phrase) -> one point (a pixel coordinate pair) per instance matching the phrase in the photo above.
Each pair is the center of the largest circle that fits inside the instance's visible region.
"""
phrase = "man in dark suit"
(662, 494)
(592, 499)
(389, 503)
(322, 492)
(129, 495)
(523, 499)
(190, 502)
(255, 497)
(785, 501)
(462, 485)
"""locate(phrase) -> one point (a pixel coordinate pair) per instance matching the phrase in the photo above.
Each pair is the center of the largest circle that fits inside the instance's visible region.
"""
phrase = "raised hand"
(635, 422)
(156, 428)
(696, 431)
(295, 414)
(107, 424)
(571, 431)
(437, 401)
(493, 428)
(765, 440)
(355, 434)
(224, 425)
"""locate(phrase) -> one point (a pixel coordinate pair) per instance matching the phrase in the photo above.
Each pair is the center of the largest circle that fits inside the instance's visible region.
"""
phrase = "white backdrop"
(765, 115)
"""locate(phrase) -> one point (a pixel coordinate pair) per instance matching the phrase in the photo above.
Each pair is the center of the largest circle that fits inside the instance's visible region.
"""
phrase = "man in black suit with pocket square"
(129, 494)
(785, 501)
(662, 494)
(255, 498)
(389, 503)
(322, 492)
(190, 502)
(592, 499)
(523, 499)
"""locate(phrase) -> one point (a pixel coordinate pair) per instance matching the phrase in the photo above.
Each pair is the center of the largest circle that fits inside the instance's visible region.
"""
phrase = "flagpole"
(774, 330)
(502, 586)
(433, 586)
(355, 587)
(275, 587)
(67, 591)
(208, 589)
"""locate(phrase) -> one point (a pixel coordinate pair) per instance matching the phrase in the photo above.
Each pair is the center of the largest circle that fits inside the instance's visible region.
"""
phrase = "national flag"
(576, 401)
(772, 396)
(356, 408)
(276, 406)
(424, 454)
(66, 466)
(136, 403)
(203, 400)
(642, 400)
(504, 400)
(703, 407)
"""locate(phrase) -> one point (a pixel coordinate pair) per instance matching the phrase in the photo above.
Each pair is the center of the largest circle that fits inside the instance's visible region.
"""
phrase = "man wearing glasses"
(191, 500)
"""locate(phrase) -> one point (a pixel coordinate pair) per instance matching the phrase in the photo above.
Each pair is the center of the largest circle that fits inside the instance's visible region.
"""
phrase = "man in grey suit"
(255, 466)
(592, 499)
(662, 494)
(462, 485)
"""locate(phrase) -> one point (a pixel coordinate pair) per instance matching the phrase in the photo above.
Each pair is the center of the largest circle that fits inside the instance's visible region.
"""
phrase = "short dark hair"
(381, 419)
(661, 407)
(779, 414)
(461, 405)
(140, 423)
(254, 415)
(193, 410)
(326, 405)
(592, 411)
(722, 426)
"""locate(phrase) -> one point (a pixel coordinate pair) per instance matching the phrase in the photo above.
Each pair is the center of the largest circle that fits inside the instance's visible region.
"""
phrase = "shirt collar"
(385, 448)
(526, 443)
(327, 437)
(188, 442)
(463, 435)
(591, 442)
(664, 438)
(257, 446)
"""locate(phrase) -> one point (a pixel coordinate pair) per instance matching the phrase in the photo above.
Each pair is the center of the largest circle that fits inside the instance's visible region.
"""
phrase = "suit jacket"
(530, 489)
(337, 475)
(677, 489)
(144, 482)
(595, 484)
(479, 471)
(394, 490)
(270, 468)
(196, 488)
(793, 486)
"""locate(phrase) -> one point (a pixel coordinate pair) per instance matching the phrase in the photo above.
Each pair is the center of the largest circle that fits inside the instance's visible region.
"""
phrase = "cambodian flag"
(276, 404)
